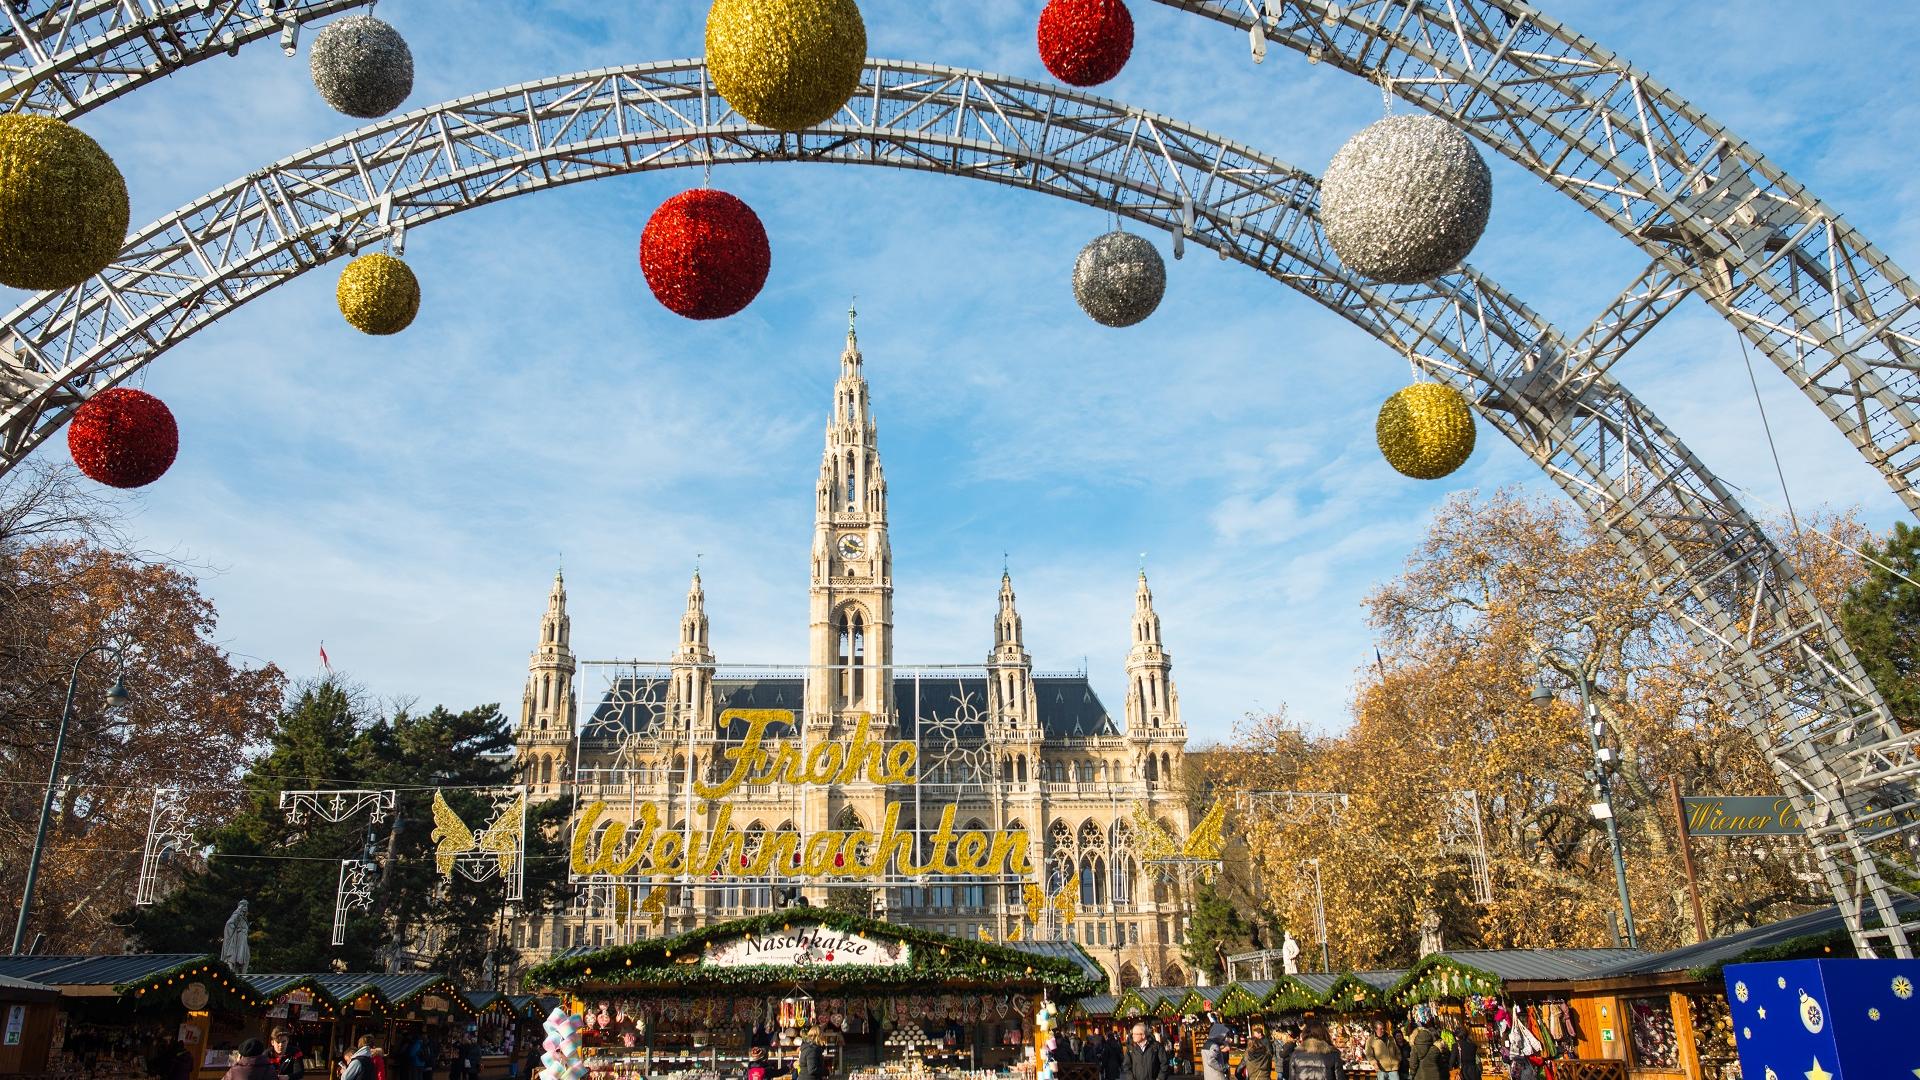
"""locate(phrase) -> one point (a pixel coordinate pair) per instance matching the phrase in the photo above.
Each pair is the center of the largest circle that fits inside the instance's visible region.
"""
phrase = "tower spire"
(547, 706)
(1151, 699)
(1010, 693)
(690, 689)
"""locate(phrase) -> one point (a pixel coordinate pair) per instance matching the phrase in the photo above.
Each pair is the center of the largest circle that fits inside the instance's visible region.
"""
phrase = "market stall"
(117, 1015)
(30, 1009)
(894, 1002)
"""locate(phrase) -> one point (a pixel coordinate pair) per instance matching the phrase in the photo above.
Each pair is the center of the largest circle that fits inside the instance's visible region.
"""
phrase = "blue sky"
(406, 498)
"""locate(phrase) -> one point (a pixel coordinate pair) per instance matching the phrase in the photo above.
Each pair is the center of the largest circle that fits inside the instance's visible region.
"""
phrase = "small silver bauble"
(1119, 279)
(362, 66)
(1406, 199)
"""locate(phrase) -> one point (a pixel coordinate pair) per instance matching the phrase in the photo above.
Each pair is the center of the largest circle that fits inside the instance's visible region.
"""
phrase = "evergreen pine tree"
(1881, 619)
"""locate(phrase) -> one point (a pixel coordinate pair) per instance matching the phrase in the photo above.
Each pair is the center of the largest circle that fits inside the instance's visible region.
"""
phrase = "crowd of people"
(282, 1058)
(1428, 1050)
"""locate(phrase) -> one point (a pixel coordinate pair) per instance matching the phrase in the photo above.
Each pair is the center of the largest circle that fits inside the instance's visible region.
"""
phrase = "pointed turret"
(1010, 696)
(691, 689)
(545, 737)
(1152, 703)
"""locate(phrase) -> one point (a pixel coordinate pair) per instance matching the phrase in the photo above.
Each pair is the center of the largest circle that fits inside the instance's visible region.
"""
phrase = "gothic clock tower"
(850, 647)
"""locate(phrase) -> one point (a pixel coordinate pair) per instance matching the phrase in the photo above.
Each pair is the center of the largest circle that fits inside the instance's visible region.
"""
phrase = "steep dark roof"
(1069, 708)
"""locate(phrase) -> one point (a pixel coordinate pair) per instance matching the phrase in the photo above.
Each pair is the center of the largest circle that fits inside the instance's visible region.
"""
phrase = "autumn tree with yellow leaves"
(1503, 588)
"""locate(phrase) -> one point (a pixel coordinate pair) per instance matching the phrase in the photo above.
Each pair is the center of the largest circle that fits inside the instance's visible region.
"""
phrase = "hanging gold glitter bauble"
(1426, 430)
(786, 64)
(63, 204)
(378, 294)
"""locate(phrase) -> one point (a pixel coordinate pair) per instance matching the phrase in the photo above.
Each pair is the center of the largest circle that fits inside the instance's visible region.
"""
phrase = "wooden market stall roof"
(387, 992)
(678, 965)
(1815, 934)
(131, 975)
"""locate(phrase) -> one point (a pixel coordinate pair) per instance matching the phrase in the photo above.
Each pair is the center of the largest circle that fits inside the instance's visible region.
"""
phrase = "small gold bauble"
(378, 294)
(1426, 430)
(63, 204)
(786, 64)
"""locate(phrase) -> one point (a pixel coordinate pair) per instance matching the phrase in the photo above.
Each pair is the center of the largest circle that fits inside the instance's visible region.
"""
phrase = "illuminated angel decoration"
(499, 848)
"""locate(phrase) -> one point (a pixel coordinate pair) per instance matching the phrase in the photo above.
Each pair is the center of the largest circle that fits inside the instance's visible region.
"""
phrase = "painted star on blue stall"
(1818, 1073)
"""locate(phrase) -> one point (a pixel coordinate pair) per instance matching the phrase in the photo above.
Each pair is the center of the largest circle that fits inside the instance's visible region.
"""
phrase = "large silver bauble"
(1119, 279)
(362, 66)
(1406, 199)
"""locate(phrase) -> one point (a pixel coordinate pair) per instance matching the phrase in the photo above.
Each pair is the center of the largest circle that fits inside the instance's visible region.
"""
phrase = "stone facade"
(1008, 747)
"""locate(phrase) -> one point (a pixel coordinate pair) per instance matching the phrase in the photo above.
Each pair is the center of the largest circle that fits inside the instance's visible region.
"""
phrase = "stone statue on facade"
(1430, 942)
(1290, 955)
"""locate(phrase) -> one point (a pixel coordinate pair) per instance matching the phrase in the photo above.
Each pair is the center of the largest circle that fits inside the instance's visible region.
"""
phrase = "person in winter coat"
(1427, 1060)
(250, 1062)
(1466, 1053)
(1283, 1051)
(1316, 1059)
(360, 1065)
(1384, 1051)
(1144, 1059)
(812, 1062)
(1216, 1057)
(289, 1062)
(1257, 1060)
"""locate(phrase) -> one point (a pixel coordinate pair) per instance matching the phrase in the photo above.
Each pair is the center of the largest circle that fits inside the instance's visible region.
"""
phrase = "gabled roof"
(1523, 965)
(1063, 950)
(112, 970)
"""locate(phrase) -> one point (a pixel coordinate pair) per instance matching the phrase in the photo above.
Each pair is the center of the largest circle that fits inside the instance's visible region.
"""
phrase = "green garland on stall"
(1351, 993)
(672, 964)
(1441, 978)
(1237, 1001)
(1809, 947)
(223, 984)
(1130, 1004)
(1289, 995)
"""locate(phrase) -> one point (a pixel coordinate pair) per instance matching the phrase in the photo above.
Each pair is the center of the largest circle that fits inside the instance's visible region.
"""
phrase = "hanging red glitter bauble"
(705, 254)
(123, 438)
(1085, 42)
(839, 858)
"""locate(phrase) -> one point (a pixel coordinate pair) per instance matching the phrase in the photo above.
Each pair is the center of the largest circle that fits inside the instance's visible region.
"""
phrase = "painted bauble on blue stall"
(1826, 1019)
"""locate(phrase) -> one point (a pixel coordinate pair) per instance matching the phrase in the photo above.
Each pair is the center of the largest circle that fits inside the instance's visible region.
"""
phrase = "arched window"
(679, 773)
(1129, 975)
(1122, 879)
(853, 655)
(1093, 881)
(1166, 767)
(850, 480)
(1173, 976)
(1060, 855)
(546, 771)
(1022, 769)
(1152, 771)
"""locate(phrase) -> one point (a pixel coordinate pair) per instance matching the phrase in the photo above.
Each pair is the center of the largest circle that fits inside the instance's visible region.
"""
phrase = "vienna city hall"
(986, 800)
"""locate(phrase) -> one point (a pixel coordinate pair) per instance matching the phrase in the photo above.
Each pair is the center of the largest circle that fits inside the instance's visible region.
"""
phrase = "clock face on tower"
(852, 546)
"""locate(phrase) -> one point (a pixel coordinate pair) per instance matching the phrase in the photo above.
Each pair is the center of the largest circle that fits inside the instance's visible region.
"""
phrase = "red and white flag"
(324, 662)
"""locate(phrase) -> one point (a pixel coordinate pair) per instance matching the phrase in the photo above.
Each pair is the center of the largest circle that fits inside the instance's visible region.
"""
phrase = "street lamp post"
(1602, 777)
(116, 697)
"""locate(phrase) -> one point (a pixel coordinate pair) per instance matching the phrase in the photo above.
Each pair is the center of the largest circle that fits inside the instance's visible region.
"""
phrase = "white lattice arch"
(1714, 216)
(1782, 667)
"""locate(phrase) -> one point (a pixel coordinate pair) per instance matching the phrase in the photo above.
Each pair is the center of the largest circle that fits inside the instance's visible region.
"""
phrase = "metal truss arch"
(78, 54)
(1715, 217)
(1783, 668)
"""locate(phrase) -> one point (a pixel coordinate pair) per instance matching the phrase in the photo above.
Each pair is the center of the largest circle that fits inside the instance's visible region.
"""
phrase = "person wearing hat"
(250, 1062)
(1216, 1057)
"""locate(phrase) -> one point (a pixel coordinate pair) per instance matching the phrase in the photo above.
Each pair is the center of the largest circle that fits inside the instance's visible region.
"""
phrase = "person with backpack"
(1427, 1060)
(1256, 1062)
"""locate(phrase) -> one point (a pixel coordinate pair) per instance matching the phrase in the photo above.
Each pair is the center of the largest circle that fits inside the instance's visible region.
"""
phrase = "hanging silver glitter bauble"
(362, 66)
(1119, 279)
(1406, 199)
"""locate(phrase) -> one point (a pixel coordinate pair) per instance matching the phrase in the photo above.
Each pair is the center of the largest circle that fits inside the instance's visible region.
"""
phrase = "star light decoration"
(786, 64)
(1119, 279)
(1426, 430)
(705, 254)
(123, 438)
(1405, 199)
(956, 748)
(1085, 42)
(361, 66)
(378, 294)
(63, 204)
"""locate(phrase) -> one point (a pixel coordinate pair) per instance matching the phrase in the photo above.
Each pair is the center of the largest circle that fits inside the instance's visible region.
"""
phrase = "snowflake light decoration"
(1902, 987)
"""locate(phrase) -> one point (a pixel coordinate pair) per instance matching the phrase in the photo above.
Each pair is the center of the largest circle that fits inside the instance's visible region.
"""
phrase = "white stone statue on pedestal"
(234, 950)
(1430, 941)
(1290, 955)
